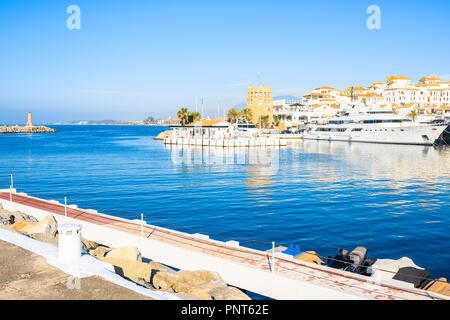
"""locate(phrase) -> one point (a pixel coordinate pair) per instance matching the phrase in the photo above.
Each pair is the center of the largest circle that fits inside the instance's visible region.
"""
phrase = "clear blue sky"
(137, 58)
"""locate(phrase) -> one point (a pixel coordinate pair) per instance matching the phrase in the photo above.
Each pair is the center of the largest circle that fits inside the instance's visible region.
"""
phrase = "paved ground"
(25, 275)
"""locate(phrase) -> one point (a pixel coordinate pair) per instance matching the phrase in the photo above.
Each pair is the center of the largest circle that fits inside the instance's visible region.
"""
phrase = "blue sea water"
(318, 195)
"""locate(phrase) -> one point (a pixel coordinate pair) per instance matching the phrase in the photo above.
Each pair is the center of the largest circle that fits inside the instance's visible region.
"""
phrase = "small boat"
(401, 272)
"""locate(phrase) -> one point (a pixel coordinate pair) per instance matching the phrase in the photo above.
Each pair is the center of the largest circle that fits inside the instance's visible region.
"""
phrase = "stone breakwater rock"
(48, 226)
(164, 134)
(20, 216)
(203, 284)
(137, 271)
(228, 293)
(88, 245)
(125, 253)
(190, 285)
(8, 218)
(20, 129)
(99, 252)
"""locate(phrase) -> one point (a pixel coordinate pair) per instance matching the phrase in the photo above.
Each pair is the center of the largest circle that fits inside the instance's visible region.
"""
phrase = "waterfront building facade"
(427, 99)
(291, 113)
(205, 129)
(260, 102)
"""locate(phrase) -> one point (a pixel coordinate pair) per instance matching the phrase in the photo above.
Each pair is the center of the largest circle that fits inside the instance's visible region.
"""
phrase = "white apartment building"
(430, 96)
(292, 113)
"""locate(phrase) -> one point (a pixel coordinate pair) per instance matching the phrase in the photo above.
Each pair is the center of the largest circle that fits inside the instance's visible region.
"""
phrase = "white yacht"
(364, 124)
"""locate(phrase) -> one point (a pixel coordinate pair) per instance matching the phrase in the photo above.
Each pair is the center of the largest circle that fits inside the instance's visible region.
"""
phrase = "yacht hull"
(421, 135)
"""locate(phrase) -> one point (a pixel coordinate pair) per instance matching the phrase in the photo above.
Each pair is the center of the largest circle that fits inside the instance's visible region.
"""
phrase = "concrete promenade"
(239, 266)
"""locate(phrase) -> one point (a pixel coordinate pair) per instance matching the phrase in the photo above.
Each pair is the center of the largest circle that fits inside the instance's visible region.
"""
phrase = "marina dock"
(258, 142)
(279, 276)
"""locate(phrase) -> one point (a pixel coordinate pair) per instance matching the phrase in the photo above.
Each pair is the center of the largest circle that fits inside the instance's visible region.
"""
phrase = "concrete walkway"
(27, 276)
(321, 275)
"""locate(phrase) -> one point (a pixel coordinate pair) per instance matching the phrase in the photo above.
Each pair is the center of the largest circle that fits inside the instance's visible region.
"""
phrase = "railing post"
(11, 186)
(142, 225)
(273, 256)
(65, 206)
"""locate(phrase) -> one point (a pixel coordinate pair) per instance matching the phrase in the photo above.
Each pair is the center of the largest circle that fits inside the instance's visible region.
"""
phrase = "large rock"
(160, 267)
(228, 293)
(5, 217)
(47, 225)
(130, 269)
(125, 253)
(23, 226)
(163, 135)
(198, 283)
(137, 269)
(186, 296)
(100, 252)
(20, 216)
(45, 237)
(88, 245)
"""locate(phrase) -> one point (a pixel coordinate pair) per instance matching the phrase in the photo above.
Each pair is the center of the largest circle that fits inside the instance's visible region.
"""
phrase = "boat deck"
(321, 275)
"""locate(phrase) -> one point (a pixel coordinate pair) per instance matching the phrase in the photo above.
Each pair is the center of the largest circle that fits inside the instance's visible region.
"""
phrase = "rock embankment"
(129, 263)
(20, 129)
(164, 134)
(189, 285)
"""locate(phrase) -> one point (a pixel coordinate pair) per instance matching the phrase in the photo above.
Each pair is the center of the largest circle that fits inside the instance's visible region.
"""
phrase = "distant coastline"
(113, 124)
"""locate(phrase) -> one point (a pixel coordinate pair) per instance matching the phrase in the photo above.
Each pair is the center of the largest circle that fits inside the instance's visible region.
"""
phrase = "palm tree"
(183, 115)
(277, 121)
(246, 114)
(413, 114)
(196, 116)
(233, 115)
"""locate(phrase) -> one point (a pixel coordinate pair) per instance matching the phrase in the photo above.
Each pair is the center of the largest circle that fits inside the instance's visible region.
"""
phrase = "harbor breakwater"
(22, 129)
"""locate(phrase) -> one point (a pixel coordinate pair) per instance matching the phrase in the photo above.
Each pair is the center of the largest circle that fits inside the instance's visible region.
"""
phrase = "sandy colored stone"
(131, 269)
(45, 237)
(160, 267)
(201, 277)
(186, 296)
(228, 293)
(163, 135)
(90, 245)
(125, 253)
(20, 216)
(137, 269)
(197, 283)
(47, 225)
(22, 226)
(5, 217)
(200, 292)
(99, 252)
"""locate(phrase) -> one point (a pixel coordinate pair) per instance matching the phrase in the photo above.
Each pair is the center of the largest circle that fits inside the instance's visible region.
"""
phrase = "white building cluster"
(428, 99)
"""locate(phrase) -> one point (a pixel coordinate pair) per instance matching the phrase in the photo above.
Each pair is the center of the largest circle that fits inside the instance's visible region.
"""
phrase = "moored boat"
(375, 126)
